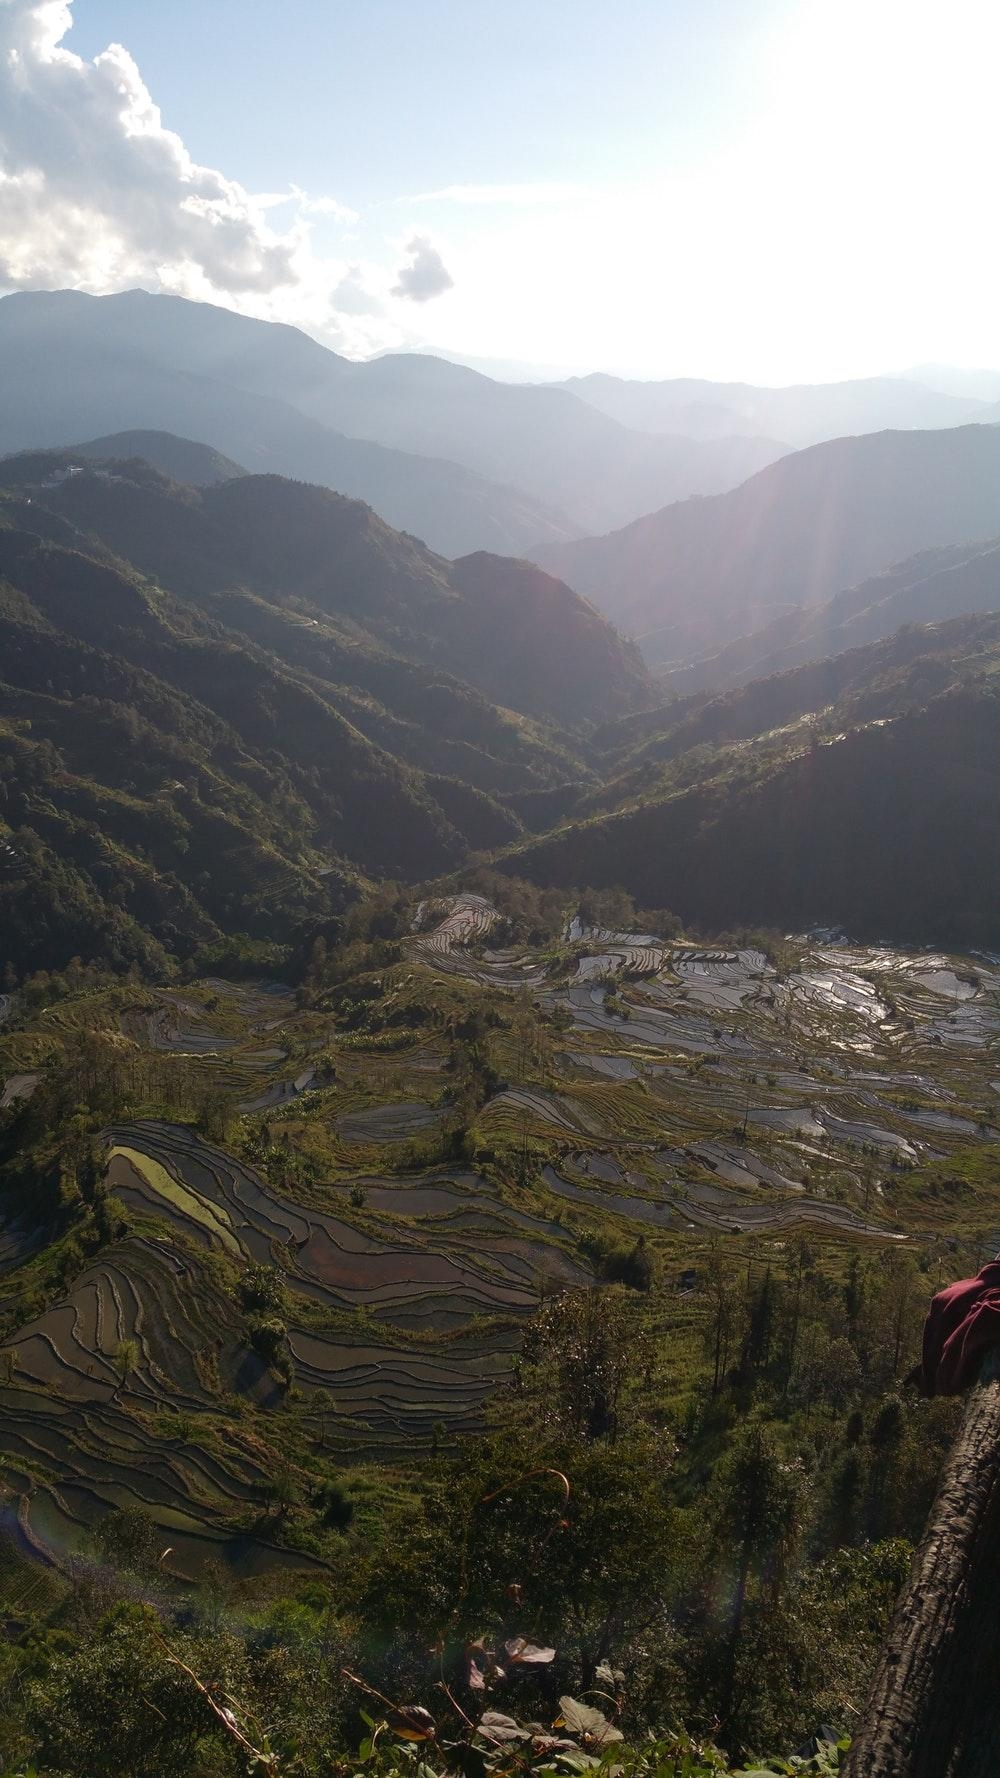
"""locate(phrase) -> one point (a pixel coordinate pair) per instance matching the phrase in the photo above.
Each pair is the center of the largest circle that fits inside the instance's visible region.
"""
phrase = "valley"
(499, 915)
(444, 1046)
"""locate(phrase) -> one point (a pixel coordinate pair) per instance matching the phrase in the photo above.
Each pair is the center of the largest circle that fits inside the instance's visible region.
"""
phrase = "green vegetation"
(858, 792)
(458, 1288)
(534, 1329)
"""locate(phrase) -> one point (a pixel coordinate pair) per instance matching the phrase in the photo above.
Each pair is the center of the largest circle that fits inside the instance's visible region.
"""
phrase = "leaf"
(471, 1761)
(528, 1654)
(591, 1725)
(411, 1722)
(475, 1678)
(609, 1675)
(495, 1726)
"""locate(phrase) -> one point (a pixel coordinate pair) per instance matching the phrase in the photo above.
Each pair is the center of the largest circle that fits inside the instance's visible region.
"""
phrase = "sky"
(767, 190)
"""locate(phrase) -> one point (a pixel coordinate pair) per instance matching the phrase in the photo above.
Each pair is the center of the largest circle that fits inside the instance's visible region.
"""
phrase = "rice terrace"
(332, 1242)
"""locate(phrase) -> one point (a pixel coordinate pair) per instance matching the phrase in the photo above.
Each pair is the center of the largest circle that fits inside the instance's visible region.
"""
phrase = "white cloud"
(424, 274)
(519, 195)
(96, 193)
(355, 293)
(95, 190)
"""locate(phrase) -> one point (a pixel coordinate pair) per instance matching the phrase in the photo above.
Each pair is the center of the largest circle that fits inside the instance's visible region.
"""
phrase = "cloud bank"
(96, 193)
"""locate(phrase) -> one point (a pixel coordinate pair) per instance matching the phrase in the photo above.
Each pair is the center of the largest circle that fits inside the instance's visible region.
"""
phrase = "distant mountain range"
(75, 367)
(438, 450)
(803, 414)
(690, 578)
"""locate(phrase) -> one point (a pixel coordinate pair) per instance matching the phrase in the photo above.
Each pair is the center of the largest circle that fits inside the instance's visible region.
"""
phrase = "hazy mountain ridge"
(929, 588)
(179, 458)
(801, 414)
(688, 578)
(64, 382)
(437, 449)
(543, 439)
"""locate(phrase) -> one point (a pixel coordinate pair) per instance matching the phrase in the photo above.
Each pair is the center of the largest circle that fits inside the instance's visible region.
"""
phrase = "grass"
(217, 1221)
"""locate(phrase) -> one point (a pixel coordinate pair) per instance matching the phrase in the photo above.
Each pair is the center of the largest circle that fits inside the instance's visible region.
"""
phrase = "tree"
(584, 1347)
(724, 1306)
(262, 1288)
(759, 1503)
(334, 1505)
(116, 1708)
(129, 1539)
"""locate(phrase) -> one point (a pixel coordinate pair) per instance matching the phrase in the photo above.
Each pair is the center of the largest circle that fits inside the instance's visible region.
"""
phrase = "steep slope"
(72, 368)
(370, 808)
(536, 463)
(689, 578)
(509, 629)
(220, 706)
(167, 781)
(879, 811)
(928, 588)
(803, 414)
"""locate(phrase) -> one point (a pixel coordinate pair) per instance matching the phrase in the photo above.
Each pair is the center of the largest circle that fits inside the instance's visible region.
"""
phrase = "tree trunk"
(933, 1711)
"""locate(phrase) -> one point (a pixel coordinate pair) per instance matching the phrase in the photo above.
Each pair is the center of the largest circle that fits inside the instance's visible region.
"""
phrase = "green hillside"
(168, 780)
(444, 1173)
(516, 634)
(180, 458)
(860, 792)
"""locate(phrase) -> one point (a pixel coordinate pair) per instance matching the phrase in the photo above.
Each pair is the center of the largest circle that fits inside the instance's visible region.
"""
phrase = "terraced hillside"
(321, 1238)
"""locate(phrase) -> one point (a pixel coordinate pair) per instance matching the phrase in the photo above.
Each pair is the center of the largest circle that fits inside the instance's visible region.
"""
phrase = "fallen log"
(934, 1708)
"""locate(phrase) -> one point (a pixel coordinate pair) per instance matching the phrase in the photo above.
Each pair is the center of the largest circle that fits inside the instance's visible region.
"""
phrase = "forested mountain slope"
(505, 626)
(215, 717)
(163, 783)
(861, 792)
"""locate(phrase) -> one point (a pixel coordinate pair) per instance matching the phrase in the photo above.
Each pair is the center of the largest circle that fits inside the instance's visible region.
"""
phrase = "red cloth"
(963, 1322)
